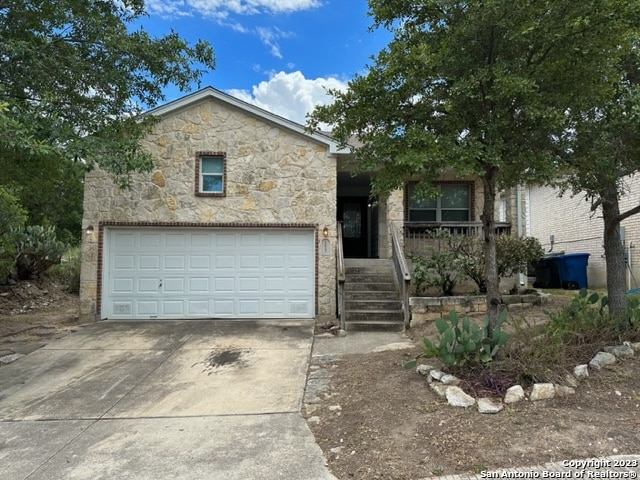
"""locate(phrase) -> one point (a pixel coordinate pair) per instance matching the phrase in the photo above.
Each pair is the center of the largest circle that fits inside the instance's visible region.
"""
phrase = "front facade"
(239, 219)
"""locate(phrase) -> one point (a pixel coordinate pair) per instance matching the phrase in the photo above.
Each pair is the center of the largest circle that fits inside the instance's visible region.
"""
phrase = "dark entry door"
(352, 212)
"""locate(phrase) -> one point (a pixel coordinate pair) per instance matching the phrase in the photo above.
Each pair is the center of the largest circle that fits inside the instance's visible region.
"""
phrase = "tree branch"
(628, 213)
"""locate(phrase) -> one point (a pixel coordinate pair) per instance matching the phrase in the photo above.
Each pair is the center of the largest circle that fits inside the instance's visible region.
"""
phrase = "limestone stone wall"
(274, 176)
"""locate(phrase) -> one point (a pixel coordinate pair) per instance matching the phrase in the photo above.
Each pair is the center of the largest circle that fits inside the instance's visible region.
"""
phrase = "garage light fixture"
(89, 230)
(325, 232)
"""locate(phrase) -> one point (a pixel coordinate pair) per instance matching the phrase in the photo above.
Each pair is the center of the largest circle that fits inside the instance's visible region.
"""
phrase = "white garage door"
(208, 273)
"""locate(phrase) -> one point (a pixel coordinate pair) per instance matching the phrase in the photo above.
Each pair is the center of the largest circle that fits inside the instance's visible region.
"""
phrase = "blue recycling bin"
(572, 268)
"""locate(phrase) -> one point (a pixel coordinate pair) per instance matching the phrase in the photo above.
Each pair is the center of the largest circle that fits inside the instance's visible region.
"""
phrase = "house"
(567, 224)
(240, 219)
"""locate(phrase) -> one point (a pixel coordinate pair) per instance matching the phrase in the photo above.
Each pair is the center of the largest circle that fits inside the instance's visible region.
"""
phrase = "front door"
(352, 212)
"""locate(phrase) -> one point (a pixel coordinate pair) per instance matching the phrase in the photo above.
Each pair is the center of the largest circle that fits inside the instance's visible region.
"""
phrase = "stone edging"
(447, 386)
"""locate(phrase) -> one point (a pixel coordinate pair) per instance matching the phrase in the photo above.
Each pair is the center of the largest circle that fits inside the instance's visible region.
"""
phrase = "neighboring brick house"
(239, 218)
(567, 224)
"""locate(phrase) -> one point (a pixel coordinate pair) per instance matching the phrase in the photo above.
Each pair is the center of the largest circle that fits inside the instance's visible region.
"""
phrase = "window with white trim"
(452, 205)
(210, 174)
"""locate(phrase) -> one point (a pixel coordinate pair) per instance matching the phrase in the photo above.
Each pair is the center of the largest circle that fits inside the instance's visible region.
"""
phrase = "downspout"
(521, 276)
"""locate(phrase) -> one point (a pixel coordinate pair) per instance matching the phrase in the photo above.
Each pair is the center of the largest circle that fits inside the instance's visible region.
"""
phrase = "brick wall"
(576, 229)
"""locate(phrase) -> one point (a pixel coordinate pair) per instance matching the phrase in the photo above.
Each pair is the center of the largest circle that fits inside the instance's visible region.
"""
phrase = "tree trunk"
(489, 231)
(614, 257)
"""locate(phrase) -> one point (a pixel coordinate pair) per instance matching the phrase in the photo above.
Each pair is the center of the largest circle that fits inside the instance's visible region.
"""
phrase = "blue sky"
(277, 54)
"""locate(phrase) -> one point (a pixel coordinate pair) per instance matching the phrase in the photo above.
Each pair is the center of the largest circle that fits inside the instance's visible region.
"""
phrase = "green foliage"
(463, 341)
(68, 270)
(439, 266)
(74, 76)
(480, 88)
(12, 216)
(585, 315)
(512, 255)
(572, 335)
(50, 189)
(36, 248)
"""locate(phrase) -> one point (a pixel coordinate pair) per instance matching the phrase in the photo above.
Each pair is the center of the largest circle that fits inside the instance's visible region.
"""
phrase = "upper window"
(210, 174)
(452, 205)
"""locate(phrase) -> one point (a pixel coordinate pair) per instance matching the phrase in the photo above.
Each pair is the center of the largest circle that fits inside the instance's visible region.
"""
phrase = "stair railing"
(340, 277)
(403, 276)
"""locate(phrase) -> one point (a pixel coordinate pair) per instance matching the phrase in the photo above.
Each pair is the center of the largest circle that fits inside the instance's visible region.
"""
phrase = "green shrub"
(12, 216)
(584, 318)
(37, 248)
(439, 266)
(68, 270)
(512, 256)
(462, 341)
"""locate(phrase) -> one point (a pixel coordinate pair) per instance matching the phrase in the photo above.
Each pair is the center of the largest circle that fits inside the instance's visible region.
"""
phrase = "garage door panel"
(298, 261)
(124, 262)
(150, 240)
(174, 285)
(249, 262)
(222, 240)
(224, 285)
(199, 262)
(147, 308)
(176, 239)
(199, 285)
(249, 307)
(274, 307)
(275, 285)
(222, 262)
(174, 262)
(248, 285)
(198, 307)
(123, 285)
(249, 240)
(149, 262)
(123, 308)
(223, 307)
(148, 285)
(300, 307)
(124, 240)
(172, 308)
(200, 273)
(275, 262)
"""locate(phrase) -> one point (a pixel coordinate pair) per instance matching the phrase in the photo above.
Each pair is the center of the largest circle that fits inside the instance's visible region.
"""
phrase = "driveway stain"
(225, 359)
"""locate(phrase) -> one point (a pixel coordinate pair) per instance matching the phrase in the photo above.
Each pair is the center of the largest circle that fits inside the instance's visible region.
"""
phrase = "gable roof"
(212, 93)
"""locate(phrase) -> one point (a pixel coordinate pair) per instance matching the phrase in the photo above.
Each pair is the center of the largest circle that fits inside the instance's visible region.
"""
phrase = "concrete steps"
(372, 299)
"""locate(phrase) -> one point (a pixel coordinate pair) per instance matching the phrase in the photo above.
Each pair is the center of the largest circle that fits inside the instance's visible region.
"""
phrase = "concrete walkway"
(162, 400)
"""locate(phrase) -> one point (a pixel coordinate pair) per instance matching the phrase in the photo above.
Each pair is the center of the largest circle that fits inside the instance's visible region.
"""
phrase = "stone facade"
(275, 176)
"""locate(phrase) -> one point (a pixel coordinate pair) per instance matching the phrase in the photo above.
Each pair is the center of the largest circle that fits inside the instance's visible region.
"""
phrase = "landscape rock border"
(447, 386)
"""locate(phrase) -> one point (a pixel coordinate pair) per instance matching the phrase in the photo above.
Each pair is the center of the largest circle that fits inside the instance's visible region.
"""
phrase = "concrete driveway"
(162, 400)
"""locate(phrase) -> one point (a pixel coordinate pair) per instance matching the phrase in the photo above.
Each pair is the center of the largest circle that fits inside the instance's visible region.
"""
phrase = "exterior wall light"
(325, 232)
(89, 230)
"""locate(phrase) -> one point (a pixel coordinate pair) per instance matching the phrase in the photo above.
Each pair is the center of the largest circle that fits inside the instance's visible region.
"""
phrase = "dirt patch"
(34, 312)
(390, 425)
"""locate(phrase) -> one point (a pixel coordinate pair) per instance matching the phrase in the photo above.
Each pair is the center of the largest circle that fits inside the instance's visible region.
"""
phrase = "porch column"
(391, 213)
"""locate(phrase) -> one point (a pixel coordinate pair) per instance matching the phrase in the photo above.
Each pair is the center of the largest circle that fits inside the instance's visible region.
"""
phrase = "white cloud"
(222, 8)
(290, 95)
(270, 37)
